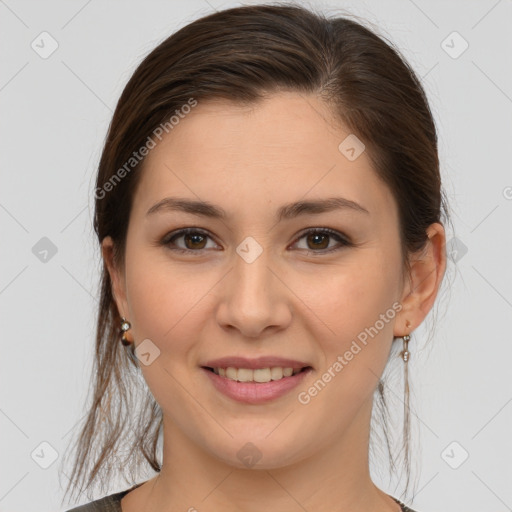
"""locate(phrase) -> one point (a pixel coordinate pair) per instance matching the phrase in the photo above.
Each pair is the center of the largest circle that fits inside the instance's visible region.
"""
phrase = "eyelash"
(342, 240)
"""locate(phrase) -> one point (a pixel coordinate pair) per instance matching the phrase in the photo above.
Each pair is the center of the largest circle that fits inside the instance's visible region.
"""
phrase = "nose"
(254, 298)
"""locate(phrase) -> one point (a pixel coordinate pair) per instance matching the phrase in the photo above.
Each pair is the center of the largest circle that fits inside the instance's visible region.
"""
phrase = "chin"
(259, 454)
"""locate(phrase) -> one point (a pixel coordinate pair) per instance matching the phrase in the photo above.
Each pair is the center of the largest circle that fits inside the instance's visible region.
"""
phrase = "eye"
(193, 238)
(319, 240)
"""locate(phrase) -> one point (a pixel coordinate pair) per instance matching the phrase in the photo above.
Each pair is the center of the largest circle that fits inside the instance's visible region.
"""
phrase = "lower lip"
(256, 392)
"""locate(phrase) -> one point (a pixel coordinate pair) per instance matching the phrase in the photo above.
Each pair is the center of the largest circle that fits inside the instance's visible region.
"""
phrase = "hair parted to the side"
(244, 54)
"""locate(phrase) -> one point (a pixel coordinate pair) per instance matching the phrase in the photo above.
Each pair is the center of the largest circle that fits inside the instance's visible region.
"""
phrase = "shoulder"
(110, 503)
(403, 506)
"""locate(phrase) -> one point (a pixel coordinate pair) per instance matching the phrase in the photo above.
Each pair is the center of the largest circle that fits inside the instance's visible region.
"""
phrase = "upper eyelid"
(343, 239)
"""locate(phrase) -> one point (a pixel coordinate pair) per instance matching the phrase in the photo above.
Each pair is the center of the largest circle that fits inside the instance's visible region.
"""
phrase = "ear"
(420, 291)
(116, 276)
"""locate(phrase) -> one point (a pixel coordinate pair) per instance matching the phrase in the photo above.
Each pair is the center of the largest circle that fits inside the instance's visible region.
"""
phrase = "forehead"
(281, 149)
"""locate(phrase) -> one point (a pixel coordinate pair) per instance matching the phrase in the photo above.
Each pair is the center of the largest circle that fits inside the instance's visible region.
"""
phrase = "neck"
(334, 478)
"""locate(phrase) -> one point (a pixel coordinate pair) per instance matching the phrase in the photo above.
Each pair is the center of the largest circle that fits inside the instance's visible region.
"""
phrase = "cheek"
(355, 306)
(355, 295)
(157, 297)
(167, 300)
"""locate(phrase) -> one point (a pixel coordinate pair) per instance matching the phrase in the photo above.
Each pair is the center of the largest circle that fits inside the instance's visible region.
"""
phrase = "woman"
(270, 214)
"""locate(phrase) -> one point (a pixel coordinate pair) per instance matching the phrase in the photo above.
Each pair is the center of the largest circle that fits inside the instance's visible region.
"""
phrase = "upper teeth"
(258, 375)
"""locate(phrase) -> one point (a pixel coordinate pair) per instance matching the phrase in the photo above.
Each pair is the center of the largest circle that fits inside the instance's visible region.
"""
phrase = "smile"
(256, 386)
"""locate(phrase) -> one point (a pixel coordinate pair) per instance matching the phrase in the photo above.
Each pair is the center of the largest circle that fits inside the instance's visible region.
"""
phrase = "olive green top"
(112, 503)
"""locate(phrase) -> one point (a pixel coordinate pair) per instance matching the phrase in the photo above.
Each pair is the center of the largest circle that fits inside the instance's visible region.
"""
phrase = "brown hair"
(243, 54)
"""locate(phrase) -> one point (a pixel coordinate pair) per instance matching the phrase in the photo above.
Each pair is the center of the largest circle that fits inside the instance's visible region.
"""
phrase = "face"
(316, 286)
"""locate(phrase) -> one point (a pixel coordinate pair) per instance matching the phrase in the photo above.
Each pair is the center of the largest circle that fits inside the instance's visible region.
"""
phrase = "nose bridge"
(253, 287)
(251, 272)
(254, 300)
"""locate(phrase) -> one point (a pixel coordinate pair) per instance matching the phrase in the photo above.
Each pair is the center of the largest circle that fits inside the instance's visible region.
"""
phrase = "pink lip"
(255, 392)
(258, 362)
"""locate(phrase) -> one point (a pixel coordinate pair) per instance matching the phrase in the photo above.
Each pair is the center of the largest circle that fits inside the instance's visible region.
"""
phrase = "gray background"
(55, 112)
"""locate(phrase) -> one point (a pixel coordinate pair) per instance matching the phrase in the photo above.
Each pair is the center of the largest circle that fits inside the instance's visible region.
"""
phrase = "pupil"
(316, 236)
(195, 237)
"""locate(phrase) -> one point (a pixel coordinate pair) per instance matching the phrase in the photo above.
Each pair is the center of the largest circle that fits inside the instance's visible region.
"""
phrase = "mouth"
(256, 386)
(258, 375)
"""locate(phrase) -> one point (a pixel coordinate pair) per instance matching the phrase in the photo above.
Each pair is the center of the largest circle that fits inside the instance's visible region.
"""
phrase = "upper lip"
(258, 362)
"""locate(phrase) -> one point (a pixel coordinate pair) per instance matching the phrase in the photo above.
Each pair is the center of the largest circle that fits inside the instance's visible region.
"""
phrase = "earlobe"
(427, 271)
(116, 278)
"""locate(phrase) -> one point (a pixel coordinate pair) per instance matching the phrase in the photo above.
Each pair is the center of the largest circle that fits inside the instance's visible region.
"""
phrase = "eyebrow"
(288, 211)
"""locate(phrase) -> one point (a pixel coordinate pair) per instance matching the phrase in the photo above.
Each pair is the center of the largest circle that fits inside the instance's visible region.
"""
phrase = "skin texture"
(310, 307)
